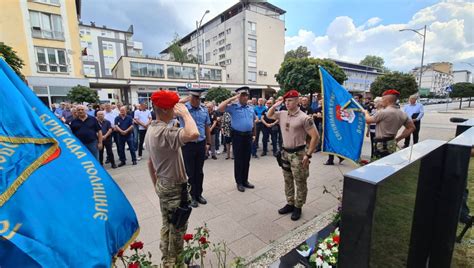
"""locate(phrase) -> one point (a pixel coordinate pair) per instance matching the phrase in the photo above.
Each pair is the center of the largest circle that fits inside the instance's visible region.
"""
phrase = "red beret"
(164, 99)
(291, 94)
(391, 92)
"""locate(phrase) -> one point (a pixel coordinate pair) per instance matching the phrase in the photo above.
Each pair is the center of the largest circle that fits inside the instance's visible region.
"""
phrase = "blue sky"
(346, 30)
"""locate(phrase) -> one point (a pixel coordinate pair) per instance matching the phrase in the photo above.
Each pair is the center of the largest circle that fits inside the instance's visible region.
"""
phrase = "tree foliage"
(374, 61)
(12, 59)
(179, 54)
(303, 74)
(461, 90)
(404, 83)
(82, 94)
(300, 52)
(218, 94)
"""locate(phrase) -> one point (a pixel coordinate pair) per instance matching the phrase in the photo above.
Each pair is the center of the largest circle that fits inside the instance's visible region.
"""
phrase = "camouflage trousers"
(171, 238)
(294, 173)
(384, 148)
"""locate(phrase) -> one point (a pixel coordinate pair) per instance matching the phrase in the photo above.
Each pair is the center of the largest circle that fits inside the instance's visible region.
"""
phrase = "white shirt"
(142, 116)
(110, 116)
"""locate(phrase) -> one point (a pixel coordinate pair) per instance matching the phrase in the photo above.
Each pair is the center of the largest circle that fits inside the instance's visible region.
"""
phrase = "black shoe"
(286, 209)
(329, 163)
(296, 214)
(201, 200)
(214, 157)
(114, 166)
(107, 161)
(255, 156)
(194, 203)
(240, 187)
(227, 158)
(263, 154)
(275, 154)
(248, 185)
(134, 163)
(121, 164)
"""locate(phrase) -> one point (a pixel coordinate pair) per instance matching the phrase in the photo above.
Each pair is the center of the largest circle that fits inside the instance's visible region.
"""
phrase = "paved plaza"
(249, 221)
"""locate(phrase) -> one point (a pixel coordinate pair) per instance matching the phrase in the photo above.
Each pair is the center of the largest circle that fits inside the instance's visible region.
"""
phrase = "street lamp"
(198, 25)
(423, 51)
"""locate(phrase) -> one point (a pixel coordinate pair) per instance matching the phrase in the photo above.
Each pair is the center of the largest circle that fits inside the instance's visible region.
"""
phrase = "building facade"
(435, 77)
(45, 35)
(248, 40)
(462, 76)
(359, 77)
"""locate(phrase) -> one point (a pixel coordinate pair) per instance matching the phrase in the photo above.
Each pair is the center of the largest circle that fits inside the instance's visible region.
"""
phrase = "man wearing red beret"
(295, 126)
(166, 168)
(388, 121)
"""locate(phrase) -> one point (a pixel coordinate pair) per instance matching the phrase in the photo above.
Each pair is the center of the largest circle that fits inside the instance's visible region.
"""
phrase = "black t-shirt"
(306, 110)
(213, 117)
(105, 126)
(85, 131)
(318, 121)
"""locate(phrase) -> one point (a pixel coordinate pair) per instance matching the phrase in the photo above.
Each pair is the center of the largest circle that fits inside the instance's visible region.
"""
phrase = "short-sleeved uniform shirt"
(164, 144)
(85, 131)
(242, 116)
(388, 121)
(200, 115)
(294, 127)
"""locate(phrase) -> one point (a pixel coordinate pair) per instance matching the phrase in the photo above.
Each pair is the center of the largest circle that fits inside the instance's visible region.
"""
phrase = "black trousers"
(242, 147)
(267, 132)
(259, 127)
(194, 155)
(415, 134)
(141, 136)
(107, 145)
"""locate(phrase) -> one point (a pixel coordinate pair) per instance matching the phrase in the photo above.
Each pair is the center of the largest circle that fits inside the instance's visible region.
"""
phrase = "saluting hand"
(180, 109)
(279, 101)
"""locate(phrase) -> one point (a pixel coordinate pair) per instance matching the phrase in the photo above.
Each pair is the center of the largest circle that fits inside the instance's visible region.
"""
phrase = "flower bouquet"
(326, 252)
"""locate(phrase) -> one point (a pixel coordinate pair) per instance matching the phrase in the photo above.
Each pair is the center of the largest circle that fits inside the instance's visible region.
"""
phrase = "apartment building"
(435, 76)
(45, 35)
(462, 76)
(359, 77)
(248, 40)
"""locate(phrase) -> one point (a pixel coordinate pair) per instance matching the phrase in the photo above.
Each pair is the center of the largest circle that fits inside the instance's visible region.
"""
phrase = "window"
(252, 61)
(147, 69)
(214, 52)
(51, 60)
(107, 71)
(221, 34)
(181, 72)
(220, 42)
(208, 43)
(211, 74)
(221, 49)
(208, 56)
(214, 38)
(89, 70)
(222, 63)
(252, 46)
(228, 62)
(110, 95)
(222, 56)
(45, 25)
(228, 46)
(252, 27)
(228, 31)
(89, 44)
(51, 2)
(252, 76)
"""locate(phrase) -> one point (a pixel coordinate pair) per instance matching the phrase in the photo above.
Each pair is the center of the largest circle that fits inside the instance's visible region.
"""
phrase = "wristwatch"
(309, 156)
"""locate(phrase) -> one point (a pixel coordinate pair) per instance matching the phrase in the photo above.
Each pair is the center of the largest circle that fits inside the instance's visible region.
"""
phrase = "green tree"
(82, 94)
(12, 59)
(374, 61)
(300, 52)
(462, 90)
(404, 83)
(179, 54)
(303, 74)
(218, 94)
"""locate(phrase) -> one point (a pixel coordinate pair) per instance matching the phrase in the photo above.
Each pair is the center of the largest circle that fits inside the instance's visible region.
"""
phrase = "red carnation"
(329, 246)
(187, 237)
(136, 245)
(134, 265)
(336, 239)
(202, 240)
(120, 253)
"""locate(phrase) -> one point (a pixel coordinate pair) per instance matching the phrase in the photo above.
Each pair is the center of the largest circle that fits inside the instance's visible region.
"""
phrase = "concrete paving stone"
(287, 224)
(206, 212)
(226, 228)
(145, 210)
(235, 210)
(149, 229)
(262, 227)
(266, 209)
(247, 245)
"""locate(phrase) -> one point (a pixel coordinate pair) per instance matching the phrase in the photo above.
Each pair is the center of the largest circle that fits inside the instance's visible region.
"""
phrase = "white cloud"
(449, 37)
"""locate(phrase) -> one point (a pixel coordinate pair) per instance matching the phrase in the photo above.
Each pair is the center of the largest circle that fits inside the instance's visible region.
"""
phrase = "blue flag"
(58, 206)
(343, 120)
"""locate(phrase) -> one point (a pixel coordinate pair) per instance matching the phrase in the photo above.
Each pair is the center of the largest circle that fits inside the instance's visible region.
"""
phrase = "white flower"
(327, 252)
(336, 231)
(322, 246)
(332, 260)
(319, 262)
(334, 250)
(319, 252)
(326, 265)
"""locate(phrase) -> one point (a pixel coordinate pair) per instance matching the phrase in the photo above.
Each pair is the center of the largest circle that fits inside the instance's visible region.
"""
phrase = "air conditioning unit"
(262, 73)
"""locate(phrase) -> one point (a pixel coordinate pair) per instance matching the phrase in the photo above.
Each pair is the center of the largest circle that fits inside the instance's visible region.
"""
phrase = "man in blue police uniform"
(243, 133)
(194, 152)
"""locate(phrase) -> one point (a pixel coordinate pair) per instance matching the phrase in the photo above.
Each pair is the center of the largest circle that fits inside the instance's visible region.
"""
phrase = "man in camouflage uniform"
(295, 126)
(388, 121)
(166, 168)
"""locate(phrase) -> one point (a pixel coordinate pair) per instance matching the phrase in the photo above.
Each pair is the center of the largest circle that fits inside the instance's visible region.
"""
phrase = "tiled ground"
(249, 221)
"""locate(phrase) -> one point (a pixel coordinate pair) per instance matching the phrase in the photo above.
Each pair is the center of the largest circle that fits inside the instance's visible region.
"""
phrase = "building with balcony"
(359, 77)
(435, 77)
(248, 40)
(45, 35)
